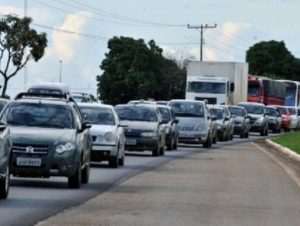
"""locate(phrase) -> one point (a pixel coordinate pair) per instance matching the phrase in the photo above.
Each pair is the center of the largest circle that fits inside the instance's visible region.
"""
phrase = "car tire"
(247, 135)
(170, 144)
(162, 150)
(85, 176)
(114, 162)
(122, 160)
(74, 181)
(155, 151)
(4, 184)
(208, 142)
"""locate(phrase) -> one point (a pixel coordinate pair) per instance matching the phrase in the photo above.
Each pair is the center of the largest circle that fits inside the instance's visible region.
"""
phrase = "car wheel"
(85, 177)
(162, 150)
(170, 144)
(74, 181)
(155, 151)
(4, 184)
(122, 160)
(114, 162)
(175, 146)
(247, 134)
(208, 142)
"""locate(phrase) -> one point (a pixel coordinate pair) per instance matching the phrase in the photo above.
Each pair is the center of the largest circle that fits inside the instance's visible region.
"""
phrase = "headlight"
(260, 120)
(109, 136)
(200, 127)
(149, 134)
(61, 148)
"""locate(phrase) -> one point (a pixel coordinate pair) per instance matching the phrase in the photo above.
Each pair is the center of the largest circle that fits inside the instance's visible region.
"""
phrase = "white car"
(294, 117)
(107, 133)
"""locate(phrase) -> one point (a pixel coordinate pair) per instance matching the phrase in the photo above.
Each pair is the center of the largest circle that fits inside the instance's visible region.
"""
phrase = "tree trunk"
(4, 88)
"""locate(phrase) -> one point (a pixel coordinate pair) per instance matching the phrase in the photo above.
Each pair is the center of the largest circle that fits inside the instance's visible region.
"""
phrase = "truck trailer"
(217, 82)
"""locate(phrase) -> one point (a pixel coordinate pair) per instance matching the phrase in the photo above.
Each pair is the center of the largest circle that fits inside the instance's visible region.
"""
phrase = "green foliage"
(134, 70)
(18, 44)
(273, 59)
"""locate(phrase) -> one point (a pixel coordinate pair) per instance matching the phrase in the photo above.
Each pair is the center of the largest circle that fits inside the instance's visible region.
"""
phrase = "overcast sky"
(78, 31)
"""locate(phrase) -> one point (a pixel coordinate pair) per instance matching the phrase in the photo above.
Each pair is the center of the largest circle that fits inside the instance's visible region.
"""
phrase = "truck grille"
(209, 100)
(30, 149)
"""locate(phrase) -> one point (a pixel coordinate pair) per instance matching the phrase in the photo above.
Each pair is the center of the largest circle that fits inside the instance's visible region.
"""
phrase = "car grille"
(30, 149)
(133, 133)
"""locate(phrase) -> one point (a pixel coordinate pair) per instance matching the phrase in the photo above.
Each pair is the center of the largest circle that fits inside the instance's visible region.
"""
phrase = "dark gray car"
(49, 139)
(145, 129)
(241, 121)
(5, 147)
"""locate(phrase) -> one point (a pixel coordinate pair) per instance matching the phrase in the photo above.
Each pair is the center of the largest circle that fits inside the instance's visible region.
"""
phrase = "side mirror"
(226, 118)
(231, 87)
(86, 125)
(176, 121)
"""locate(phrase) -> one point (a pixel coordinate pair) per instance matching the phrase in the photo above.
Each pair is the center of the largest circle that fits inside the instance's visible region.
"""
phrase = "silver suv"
(194, 121)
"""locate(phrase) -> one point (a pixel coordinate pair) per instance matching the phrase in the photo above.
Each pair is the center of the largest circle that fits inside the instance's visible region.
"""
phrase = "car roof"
(252, 103)
(51, 86)
(187, 101)
(151, 106)
(95, 105)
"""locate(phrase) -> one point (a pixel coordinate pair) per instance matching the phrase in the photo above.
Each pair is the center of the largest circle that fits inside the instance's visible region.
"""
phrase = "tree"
(134, 70)
(272, 58)
(18, 44)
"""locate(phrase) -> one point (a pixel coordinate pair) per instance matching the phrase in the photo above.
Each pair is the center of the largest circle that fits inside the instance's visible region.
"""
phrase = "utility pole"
(60, 65)
(201, 27)
(25, 67)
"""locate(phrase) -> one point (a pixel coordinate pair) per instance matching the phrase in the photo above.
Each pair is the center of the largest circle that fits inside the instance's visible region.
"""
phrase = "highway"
(33, 200)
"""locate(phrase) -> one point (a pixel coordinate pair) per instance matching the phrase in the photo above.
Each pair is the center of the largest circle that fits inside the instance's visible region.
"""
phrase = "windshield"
(292, 111)
(134, 113)
(253, 89)
(188, 109)
(217, 112)
(254, 109)
(291, 94)
(98, 116)
(206, 87)
(271, 111)
(282, 110)
(236, 111)
(165, 113)
(39, 115)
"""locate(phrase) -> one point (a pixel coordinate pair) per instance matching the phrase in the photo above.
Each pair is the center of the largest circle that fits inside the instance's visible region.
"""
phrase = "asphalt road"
(32, 200)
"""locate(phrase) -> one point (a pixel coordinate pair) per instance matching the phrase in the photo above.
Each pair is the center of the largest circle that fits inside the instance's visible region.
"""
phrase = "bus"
(266, 91)
(292, 93)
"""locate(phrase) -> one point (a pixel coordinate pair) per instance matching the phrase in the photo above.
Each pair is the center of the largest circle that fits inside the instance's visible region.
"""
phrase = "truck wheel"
(4, 184)
(74, 181)
(85, 176)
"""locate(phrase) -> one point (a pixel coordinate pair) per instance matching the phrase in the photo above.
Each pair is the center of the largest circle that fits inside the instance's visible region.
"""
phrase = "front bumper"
(102, 152)
(192, 137)
(141, 143)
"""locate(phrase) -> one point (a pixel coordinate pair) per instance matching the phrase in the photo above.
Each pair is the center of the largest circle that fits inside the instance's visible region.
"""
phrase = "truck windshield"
(253, 89)
(206, 87)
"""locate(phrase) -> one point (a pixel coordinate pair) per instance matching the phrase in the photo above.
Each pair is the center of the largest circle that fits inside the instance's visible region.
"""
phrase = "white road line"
(287, 169)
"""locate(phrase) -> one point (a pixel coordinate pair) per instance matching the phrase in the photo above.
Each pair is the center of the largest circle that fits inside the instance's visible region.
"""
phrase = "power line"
(106, 13)
(228, 44)
(237, 40)
(201, 36)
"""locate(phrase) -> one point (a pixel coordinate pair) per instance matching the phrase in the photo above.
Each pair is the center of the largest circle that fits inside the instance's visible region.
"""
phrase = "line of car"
(45, 132)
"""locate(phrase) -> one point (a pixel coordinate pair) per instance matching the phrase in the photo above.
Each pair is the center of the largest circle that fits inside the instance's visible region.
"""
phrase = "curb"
(286, 151)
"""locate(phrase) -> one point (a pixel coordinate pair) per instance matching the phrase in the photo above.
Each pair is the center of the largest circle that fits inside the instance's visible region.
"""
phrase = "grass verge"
(289, 140)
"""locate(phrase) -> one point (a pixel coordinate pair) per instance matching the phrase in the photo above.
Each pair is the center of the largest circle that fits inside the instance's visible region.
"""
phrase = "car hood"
(256, 116)
(37, 135)
(190, 122)
(102, 129)
(140, 125)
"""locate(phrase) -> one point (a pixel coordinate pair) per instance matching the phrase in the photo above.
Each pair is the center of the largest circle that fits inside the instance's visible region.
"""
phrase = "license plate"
(29, 161)
(183, 134)
(130, 141)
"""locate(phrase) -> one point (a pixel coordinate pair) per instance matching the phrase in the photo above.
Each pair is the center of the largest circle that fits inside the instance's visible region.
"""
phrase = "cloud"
(66, 44)
(5, 10)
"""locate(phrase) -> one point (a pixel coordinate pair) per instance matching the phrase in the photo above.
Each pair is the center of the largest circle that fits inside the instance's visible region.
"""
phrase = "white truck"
(217, 82)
